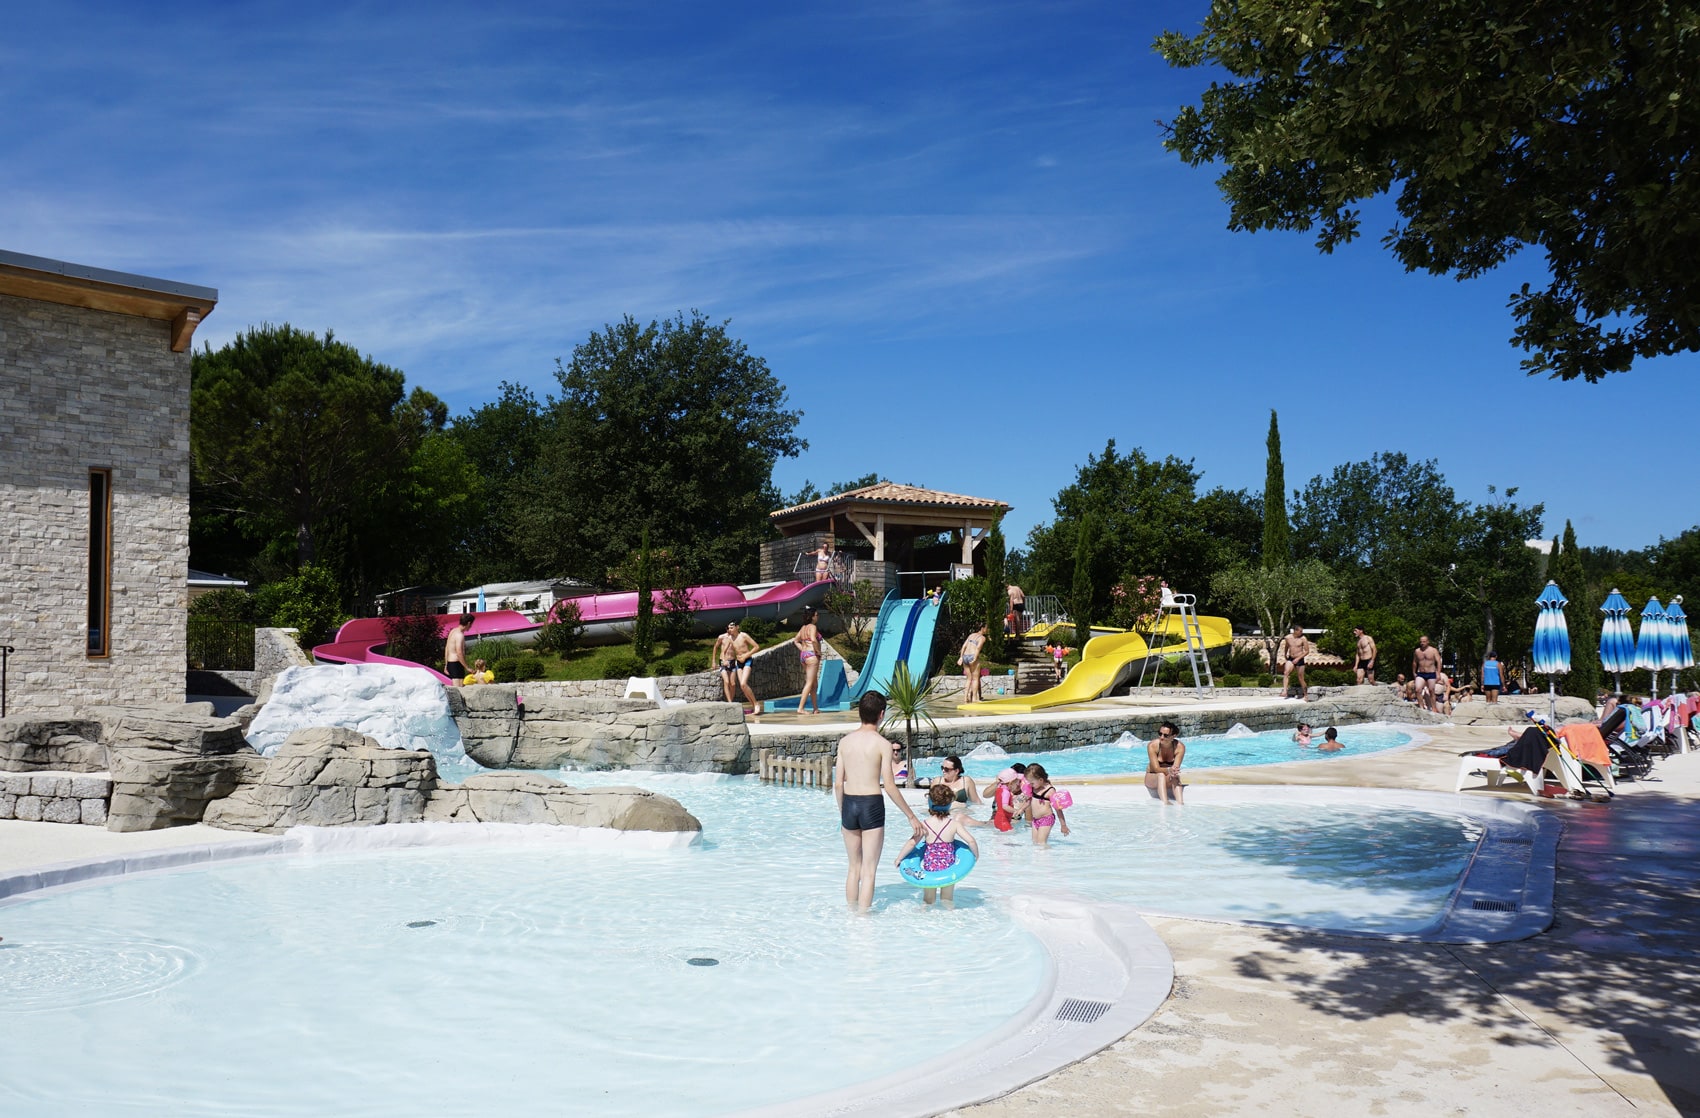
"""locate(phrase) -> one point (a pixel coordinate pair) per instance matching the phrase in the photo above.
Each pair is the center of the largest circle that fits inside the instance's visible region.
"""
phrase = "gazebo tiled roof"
(890, 493)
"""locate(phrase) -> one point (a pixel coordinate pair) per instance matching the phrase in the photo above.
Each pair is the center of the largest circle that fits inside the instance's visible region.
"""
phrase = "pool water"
(618, 981)
(1127, 753)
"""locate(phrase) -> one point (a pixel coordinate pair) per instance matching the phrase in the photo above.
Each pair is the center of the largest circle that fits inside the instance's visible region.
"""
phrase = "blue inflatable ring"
(913, 874)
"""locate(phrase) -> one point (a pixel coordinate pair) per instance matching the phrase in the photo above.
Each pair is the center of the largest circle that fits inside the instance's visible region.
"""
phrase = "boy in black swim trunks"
(863, 768)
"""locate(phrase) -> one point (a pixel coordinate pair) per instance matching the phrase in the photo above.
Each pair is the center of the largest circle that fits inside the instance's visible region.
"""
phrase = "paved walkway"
(1595, 1017)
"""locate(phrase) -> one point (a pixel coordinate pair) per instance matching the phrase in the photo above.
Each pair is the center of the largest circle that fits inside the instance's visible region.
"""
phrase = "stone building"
(94, 483)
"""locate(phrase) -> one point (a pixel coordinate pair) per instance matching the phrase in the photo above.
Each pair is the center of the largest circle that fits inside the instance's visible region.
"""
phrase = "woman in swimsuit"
(962, 788)
(1044, 807)
(823, 561)
(940, 832)
(808, 651)
(1163, 763)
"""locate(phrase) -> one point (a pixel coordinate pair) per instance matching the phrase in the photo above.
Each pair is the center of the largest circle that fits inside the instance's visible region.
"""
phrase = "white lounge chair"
(645, 687)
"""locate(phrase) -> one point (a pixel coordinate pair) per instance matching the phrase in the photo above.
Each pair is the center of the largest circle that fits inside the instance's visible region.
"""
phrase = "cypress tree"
(1080, 598)
(643, 629)
(1581, 618)
(1276, 550)
(997, 601)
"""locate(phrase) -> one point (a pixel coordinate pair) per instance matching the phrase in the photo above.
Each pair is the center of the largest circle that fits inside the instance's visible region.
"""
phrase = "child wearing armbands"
(1045, 807)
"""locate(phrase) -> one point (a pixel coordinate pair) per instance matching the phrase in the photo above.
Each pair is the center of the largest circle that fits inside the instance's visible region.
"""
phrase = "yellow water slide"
(1104, 662)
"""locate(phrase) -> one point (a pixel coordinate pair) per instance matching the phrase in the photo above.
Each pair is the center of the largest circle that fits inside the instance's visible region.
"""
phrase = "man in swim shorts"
(454, 650)
(862, 769)
(733, 654)
(1294, 649)
(1366, 656)
(1425, 666)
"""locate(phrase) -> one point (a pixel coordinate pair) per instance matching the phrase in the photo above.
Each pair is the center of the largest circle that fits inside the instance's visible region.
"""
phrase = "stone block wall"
(49, 797)
(80, 389)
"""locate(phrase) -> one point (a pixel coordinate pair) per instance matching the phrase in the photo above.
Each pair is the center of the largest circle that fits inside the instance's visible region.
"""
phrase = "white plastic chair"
(645, 687)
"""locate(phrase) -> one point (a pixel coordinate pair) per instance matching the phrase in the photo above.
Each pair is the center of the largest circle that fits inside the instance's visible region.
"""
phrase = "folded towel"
(1585, 741)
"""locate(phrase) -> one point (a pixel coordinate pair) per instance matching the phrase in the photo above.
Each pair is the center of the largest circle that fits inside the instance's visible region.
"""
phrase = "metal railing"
(6, 651)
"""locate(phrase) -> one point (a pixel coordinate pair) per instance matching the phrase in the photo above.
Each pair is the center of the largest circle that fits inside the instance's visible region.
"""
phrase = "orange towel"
(1585, 741)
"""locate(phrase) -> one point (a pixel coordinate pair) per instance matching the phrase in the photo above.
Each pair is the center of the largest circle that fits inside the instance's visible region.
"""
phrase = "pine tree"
(1581, 617)
(1276, 550)
(643, 629)
(997, 601)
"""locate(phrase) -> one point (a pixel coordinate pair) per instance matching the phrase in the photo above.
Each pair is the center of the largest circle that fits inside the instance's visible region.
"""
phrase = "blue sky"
(949, 228)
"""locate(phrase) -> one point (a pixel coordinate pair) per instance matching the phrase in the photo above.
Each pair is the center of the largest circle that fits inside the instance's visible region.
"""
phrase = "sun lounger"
(645, 687)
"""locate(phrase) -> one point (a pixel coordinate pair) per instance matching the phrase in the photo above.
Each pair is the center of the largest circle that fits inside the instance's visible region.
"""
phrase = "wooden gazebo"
(888, 518)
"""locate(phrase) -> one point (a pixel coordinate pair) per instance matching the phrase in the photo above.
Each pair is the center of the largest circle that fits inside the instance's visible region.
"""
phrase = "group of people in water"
(869, 770)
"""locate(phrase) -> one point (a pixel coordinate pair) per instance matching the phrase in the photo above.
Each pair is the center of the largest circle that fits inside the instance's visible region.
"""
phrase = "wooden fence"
(804, 772)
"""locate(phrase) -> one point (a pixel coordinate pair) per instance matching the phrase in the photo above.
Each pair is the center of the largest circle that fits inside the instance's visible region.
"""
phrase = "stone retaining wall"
(56, 797)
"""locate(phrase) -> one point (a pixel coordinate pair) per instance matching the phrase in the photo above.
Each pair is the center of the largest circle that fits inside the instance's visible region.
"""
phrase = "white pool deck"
(1593, 1016)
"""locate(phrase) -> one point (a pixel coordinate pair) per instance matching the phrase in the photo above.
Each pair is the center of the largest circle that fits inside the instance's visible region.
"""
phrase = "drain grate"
(1081, 1010)
(1494, 906)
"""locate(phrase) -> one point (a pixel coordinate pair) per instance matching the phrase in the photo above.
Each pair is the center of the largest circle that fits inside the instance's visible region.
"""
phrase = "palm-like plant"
(910, 701)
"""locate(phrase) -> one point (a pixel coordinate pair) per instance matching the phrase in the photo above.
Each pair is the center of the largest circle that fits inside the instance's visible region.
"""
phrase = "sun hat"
(1007, 775)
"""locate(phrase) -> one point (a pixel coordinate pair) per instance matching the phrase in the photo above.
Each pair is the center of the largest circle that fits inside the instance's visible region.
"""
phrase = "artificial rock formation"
(49, 744)
(167, 764)
(338, 777)
(548, 731)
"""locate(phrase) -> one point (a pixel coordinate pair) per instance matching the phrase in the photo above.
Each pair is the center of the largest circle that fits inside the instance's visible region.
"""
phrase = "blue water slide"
(832, 687)
(903, 634)
(893, 638)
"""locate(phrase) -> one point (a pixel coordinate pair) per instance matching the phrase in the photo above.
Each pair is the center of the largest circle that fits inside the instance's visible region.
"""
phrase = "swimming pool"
(566, 980)
(1127, 753)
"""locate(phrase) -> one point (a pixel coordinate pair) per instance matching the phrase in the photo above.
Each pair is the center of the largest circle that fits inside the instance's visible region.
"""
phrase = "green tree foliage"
(1395, 638)
(1082, 593)
(1497, 572)
(501, 440)
(1277, 595)
(675, 425)
(1276, 548)
(302, 445)
(563, 630)
(1561, 126)
(997, 601)
(1581, 616)
(309, 601)
(856, 606)
(643, 627)
(912, 702)
(1388, 530)
(229, 604)
(1151, 521)
(414, 637)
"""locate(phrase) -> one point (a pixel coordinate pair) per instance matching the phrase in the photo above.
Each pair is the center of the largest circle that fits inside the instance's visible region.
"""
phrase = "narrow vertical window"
(100, 563)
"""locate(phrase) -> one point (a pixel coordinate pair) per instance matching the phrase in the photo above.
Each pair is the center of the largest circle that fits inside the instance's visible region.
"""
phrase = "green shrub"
(622, 665)
(1331, 677)
(517, 669)
(563, 630)
(229, 604)
(309, 602)
(1264, 679)
(491, 649)
(691, 662)
(1243, 661)
(760, 628)
(413, 637)
(673, 617)
(1231, 681)
(854, 654)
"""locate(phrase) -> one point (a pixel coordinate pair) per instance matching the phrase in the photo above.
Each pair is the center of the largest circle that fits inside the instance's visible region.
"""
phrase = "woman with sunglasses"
(1163, 768)
(962, 786)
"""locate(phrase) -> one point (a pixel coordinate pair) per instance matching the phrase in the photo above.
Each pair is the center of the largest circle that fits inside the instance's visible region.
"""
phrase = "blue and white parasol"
(1652, 647)
(1682, 645)
(1552, 641)
(1617, 638)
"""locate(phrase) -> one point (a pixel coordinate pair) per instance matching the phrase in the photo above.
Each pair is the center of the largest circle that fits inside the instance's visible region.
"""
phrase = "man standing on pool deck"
(1366, 656)
(1425, 666)
(1294, 649)
(735, 649)
(862, 768)
(454, 650)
